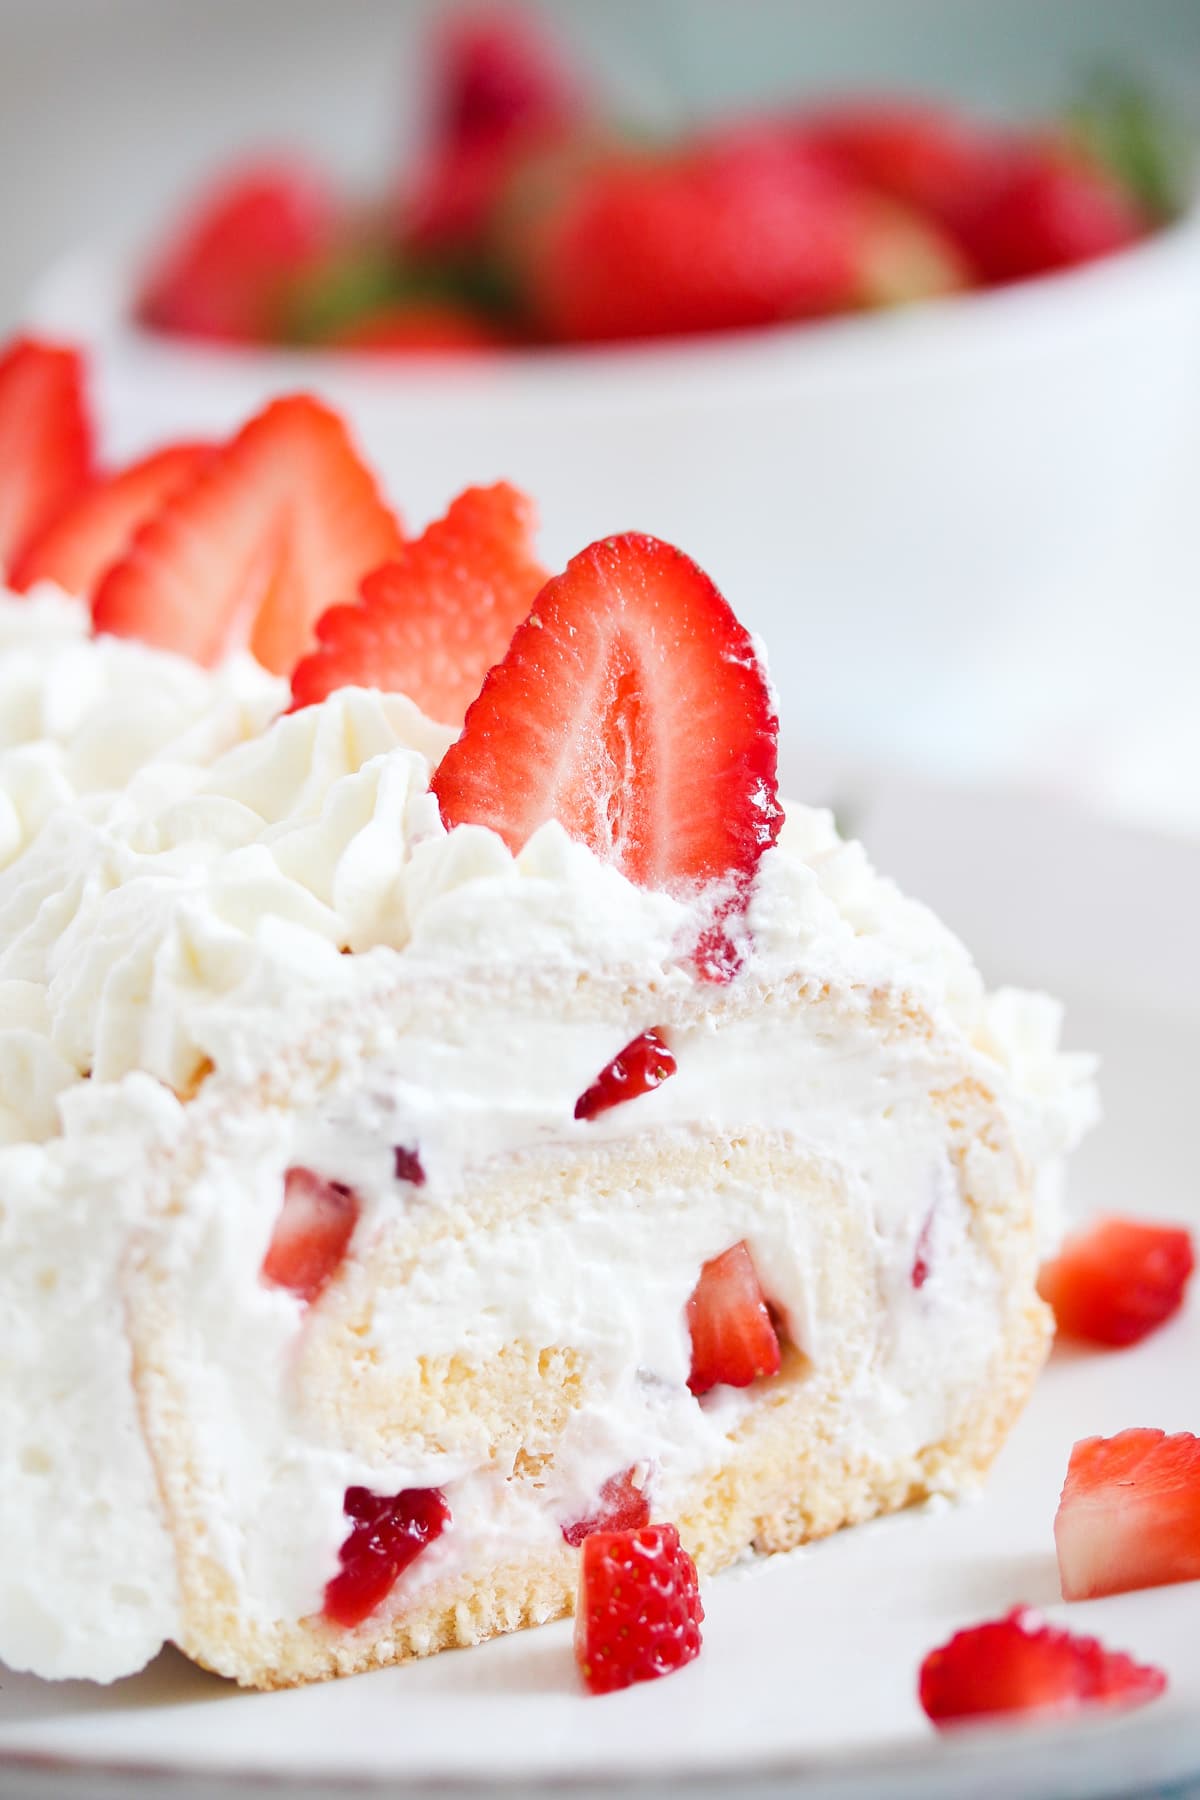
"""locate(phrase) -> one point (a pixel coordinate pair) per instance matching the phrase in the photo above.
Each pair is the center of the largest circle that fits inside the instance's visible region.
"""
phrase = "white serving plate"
(807, 1681)
(907, 506)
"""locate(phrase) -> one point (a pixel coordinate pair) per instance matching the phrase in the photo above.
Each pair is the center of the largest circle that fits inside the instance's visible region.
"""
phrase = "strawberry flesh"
(431, 622)
(312, 1233)
(408, 1166)
(85, 540)
(387, 1535)
(623, 1506)
(734, 1341)
(1129, 1516)
(278, 524)
(45, 441)
(638, 1612)
(1019, 1664)
(1118, 1280)
(641, 1065)
(631, 707)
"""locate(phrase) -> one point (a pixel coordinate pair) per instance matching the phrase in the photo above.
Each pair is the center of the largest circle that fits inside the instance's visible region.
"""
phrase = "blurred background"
(966, 529)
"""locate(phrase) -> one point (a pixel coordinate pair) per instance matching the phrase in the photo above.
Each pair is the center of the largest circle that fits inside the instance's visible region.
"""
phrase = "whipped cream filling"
(183, 910)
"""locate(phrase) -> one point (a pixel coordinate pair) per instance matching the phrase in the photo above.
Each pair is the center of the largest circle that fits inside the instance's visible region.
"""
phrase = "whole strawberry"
(638, 1612)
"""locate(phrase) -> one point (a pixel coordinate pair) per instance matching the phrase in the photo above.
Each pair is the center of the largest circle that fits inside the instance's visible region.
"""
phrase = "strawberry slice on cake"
(280, 523)
(45, 440)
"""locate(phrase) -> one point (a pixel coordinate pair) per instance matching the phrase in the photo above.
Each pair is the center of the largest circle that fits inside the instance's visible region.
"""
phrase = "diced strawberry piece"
(638, 1612)
(1118, 1280)
(622, 1507)
(1129, 1516)
(641, 1065)
(1047, 208)
(921, 1254)
(1019, 1664)
(388, 1534)
(733, 1338)
(431, 328)
(434, 619)
(226, 274)
(283, 521)
(631, 707)
(924, 156)
(408, 1166)
(312, 1233)
(45, 440)
(82, 542)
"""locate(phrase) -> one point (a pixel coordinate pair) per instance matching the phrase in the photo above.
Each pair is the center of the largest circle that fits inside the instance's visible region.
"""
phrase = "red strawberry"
(312, 1233)
(632, 707)
(1048, 207)
(733, 232)
(500, 93)
(1019, 1664)
(1118, 1280)
(82, 542)
(226, 274)
(924, 156)
(429, 328)
(1129, 1516)
(733, 1339)
(280, 523)
(623, 1507)
(644, 1064)
(744, 227)
(45, 440)
(638, 1611)
(432, 621)
(388, 1534)
(497, 75)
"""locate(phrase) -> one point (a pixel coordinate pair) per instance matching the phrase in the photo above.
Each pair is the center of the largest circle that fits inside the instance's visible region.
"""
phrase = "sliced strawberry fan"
(282, 522)
(91, 534)
(432, 622)
(631, 707)
(45, 440)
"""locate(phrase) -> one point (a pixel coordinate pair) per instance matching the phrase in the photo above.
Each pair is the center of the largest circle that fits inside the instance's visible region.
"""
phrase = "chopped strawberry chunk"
(1118, 1280)
(638, 1613)
(623, 1506)
(1129, 1516)
(226, 274)
(45, 440)
(641, 1065)
(82, 542)
(431, 622)
(733, 1339)
(631, 707)
(919, 1274)
(281, 522)
(388, 1534)
(312, 1233)
(1019, 1664)
(408, 1165)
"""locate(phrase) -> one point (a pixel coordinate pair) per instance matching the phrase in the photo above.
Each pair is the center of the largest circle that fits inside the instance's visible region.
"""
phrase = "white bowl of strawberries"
(680, 341)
